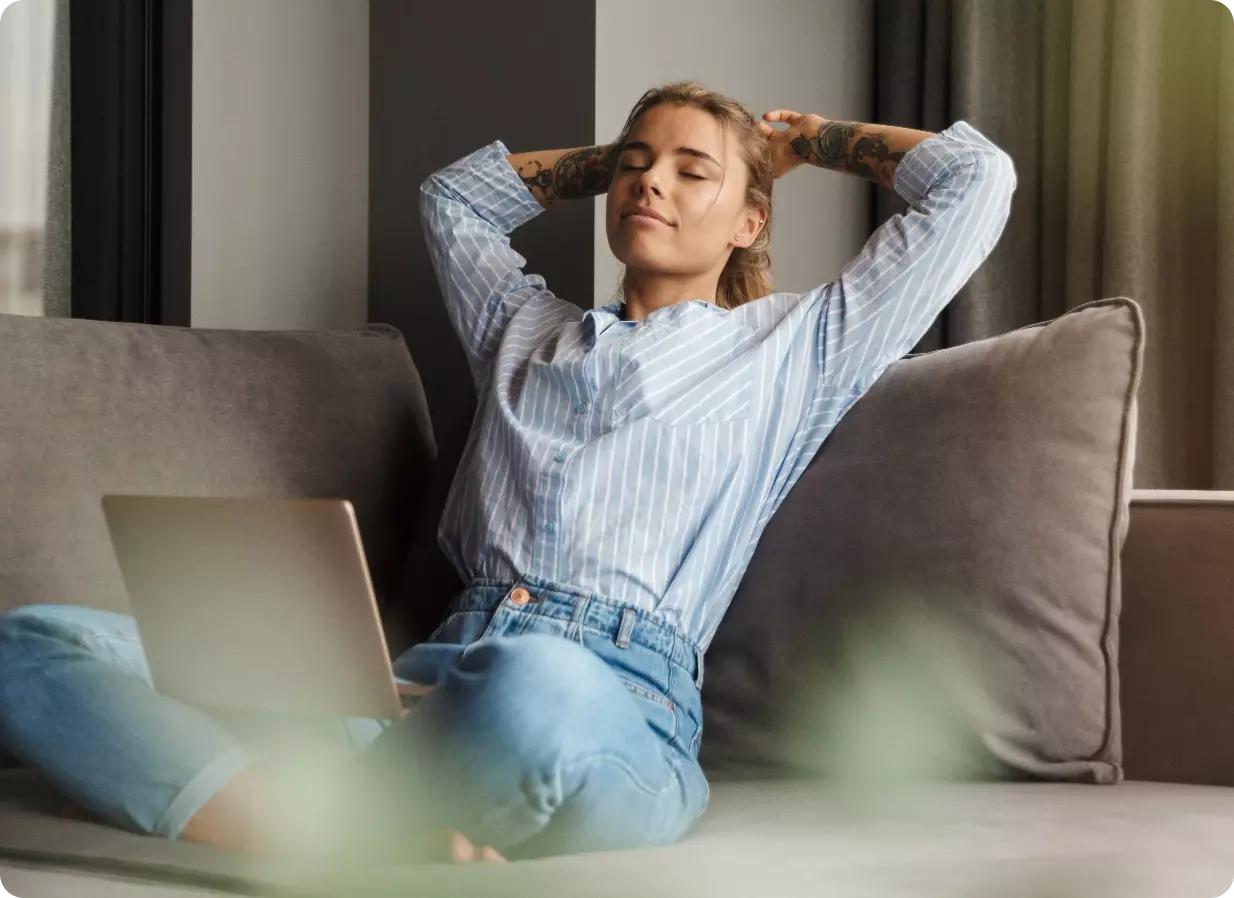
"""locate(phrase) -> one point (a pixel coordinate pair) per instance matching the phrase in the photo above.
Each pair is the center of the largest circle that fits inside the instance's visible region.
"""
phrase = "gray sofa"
(1114, 781)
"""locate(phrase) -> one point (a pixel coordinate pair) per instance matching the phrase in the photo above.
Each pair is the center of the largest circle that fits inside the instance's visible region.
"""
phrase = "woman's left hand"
(784, 156)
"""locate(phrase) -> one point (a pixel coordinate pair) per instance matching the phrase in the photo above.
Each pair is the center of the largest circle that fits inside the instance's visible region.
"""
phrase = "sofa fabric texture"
(92, 408)
(797, 840)
(1177, 666)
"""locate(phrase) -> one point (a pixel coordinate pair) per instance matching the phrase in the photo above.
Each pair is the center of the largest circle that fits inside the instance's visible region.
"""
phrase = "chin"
(643, 255)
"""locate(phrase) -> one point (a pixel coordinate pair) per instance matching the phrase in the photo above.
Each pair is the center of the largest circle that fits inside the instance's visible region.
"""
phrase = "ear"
(749, 226)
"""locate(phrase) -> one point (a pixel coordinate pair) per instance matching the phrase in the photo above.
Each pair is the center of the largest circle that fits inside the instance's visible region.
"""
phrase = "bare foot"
(245, 816)
(463, 852)
(239, 819)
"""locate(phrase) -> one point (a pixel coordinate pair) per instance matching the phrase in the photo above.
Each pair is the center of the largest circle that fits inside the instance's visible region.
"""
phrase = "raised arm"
(470, 208)
(958, 185)
(556, 175)
(871, 151)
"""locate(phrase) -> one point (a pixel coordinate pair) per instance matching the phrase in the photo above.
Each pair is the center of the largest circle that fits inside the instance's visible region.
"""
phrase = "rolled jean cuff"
(200, 790)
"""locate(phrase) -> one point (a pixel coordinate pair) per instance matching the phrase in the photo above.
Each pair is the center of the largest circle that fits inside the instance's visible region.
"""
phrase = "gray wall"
(809, 55)
(280, 163)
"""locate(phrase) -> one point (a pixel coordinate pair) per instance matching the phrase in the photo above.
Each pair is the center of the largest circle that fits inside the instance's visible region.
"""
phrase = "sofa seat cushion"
(781, 838)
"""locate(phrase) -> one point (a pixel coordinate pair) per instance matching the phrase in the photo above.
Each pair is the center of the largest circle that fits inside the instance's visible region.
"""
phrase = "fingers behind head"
(787, 116)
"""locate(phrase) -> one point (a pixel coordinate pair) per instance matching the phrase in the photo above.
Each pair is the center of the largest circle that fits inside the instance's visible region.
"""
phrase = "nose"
(649, 182)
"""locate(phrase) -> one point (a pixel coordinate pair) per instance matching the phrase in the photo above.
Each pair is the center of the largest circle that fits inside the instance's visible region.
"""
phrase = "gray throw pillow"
(89, 408)
(938, 596)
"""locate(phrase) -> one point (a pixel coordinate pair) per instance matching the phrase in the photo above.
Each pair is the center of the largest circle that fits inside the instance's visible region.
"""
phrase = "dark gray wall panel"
(448, 78)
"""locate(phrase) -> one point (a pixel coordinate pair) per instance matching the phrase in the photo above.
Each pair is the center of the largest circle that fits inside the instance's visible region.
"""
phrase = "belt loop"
(698, 679)
(627, 627)
(575, 629)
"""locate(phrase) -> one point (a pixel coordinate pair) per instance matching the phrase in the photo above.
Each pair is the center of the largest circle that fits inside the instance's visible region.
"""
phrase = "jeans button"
(520, 597)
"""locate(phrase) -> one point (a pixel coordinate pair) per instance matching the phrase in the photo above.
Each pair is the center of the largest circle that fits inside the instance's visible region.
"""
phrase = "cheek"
(611, 211)
(705, 212)
(707, 228)
(610, 205)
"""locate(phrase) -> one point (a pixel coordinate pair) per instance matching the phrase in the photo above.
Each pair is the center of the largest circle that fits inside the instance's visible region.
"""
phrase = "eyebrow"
(680, 151)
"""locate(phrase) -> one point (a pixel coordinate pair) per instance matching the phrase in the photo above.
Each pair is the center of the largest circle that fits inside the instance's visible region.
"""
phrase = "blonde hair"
(747, 274)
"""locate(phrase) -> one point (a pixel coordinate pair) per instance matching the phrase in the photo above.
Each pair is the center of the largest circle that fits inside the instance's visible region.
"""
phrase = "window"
(27, 42)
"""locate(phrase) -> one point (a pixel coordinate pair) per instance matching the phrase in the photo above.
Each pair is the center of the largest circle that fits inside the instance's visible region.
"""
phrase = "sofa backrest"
(1177, 638)
(91, 408)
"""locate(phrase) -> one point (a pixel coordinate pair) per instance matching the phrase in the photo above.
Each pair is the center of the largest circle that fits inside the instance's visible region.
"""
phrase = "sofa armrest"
(1176, 655)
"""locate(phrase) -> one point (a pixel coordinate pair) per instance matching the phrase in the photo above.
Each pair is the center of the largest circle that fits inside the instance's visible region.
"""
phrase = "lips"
(647, 212)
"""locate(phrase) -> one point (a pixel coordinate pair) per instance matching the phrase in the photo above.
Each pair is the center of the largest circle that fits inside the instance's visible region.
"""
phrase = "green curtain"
(1120, 117)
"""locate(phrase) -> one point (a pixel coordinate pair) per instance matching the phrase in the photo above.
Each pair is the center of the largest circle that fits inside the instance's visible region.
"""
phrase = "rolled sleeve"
(468, 210)
(490, 187)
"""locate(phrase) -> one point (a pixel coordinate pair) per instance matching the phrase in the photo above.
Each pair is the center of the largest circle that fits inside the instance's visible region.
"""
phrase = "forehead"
(665, 128)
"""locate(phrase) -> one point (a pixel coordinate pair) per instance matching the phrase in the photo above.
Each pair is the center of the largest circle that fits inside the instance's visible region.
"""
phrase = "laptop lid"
(254, 604)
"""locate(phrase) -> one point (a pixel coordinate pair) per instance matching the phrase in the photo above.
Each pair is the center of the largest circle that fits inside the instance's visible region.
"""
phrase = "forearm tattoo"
(577, 175)
(869, 157)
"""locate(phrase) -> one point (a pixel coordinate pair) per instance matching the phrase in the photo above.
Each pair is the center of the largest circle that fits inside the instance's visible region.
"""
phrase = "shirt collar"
(597, 321)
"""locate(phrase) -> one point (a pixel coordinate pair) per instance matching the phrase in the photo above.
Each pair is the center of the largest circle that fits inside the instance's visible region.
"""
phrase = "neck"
(646, 292)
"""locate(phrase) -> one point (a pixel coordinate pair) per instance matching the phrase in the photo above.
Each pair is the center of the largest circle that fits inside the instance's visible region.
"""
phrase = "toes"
(463, 852)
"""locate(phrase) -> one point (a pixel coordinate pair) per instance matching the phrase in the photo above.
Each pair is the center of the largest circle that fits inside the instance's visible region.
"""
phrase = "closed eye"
(626, 166)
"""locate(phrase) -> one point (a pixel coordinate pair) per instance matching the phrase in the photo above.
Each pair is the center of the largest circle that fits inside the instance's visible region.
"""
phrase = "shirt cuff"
(939, 156)
(490, 186)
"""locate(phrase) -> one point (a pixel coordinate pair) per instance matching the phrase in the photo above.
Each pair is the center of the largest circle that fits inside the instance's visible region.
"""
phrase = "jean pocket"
(660, 713)
(462, 628)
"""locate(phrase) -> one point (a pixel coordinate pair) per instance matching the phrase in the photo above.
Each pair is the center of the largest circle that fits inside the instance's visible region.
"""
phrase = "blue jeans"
(563, 725)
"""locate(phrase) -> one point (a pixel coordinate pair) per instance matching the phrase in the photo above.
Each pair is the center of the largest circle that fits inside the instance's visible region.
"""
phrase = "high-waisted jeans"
(565, 724)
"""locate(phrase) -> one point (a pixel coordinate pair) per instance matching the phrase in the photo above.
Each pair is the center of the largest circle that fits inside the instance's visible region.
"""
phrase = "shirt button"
(520, 596)
(582, 408)
(549, 528)
(560, 456)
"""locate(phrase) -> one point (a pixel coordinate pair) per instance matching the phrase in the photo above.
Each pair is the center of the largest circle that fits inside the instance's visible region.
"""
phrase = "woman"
(622, 465)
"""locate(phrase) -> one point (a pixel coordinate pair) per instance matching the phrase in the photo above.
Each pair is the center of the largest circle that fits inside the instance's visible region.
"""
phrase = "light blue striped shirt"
(641, 461)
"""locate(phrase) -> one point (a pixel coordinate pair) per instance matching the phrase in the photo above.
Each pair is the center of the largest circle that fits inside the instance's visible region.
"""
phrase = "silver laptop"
(255, 604)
